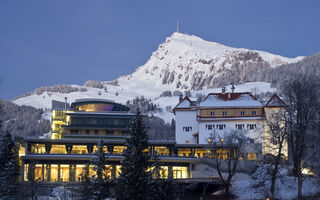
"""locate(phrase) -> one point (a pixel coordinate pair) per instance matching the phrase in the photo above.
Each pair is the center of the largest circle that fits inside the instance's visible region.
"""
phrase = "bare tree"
(232, 143)
(302, 97)
(275, 141)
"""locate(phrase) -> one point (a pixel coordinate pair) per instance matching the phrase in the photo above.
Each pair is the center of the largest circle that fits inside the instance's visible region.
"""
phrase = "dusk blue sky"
(49, 42)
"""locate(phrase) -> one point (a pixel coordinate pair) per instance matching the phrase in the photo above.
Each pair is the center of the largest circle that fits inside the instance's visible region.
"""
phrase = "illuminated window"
(64, 173)
(107, 172)
(38, 173)
(38, 148)
(179, 172)
(79, 149)
(202, 153)
(252, 156)
(118, 149)
(80, 170)
(25, 172)
(118, 170)
(184, 152)
(91, 171)
(58, 149)
(163, 172)
(222, 153)
(187, 142)
(163, 151)
(54, 173)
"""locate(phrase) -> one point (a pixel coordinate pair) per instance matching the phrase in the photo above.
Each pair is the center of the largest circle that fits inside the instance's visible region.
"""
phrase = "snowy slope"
(166, 103)
(183, 62)
(189, 62)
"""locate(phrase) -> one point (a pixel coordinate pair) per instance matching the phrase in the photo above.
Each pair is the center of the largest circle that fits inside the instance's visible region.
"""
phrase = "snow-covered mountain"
(184, 63)
(188, 62)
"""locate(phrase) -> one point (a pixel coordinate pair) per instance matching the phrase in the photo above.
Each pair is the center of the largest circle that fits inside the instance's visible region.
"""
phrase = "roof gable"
(275, 101)
(184, 103)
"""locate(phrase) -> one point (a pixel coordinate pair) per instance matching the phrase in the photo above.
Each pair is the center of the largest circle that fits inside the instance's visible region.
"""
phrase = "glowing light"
(307, 171)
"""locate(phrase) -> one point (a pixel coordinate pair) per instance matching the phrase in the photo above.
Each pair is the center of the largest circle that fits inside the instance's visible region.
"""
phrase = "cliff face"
(188, 62)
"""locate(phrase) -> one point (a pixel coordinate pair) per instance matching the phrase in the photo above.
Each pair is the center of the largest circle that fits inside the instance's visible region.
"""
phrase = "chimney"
(229, 95)
(65, 103)
(180, 97)
(232, 88)
(223, 89)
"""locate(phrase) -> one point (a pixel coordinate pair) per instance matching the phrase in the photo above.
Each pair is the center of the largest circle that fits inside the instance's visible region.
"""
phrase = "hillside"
(187, 62)
(182, 64)
(307, 67)
(23, 120)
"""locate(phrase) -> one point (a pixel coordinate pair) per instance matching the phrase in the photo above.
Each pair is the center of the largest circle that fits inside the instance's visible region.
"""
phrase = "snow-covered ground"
(184, 63)
(257, 186)
(44, 100)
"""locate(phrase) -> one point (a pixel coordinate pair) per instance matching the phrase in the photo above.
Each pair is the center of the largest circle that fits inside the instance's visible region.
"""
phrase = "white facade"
(190, 128)
(186, 127)
(252, 128)
(221, 113)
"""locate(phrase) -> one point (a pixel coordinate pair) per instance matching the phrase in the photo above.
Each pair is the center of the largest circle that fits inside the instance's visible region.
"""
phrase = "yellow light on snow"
(307, 171)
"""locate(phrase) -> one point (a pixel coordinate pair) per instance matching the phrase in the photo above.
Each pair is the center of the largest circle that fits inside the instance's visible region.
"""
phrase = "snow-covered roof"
(222, 100)
(94, 99)
(275, 101)
(184, 104)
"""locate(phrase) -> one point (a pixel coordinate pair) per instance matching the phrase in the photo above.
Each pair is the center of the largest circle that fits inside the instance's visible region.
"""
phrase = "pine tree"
(135, 177)
(99, 181)
(9, 166)
(85, 184)
(162, 188)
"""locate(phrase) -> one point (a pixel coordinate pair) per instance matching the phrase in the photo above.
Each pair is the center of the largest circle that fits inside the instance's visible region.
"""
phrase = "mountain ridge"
(189, 62)
(182, 63)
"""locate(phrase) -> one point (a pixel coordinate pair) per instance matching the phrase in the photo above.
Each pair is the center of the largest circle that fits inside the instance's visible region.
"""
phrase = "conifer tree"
(85, 184)
(163, 188)
(96, 186)
(99, 181)
(135, 177)
(9, 166)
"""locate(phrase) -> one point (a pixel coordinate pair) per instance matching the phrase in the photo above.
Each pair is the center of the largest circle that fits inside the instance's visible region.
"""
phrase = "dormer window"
(242, 113)
(224, 113)
(211, 113)
(254, 112)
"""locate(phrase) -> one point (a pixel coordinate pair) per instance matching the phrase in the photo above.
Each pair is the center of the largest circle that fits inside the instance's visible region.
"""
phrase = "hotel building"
(77, 129)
